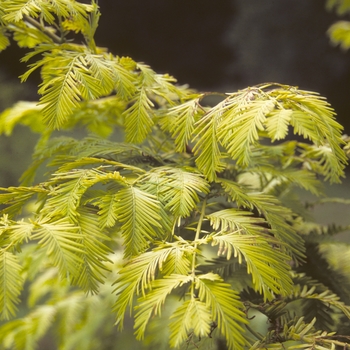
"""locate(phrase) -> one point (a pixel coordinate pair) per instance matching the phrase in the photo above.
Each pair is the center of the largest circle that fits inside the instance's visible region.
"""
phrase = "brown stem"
(56, 39)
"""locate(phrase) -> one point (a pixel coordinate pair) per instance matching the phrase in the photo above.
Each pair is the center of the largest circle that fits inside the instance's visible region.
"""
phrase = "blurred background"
(221, 45)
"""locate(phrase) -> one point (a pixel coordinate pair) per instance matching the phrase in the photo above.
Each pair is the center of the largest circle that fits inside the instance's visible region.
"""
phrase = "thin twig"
(45, 30)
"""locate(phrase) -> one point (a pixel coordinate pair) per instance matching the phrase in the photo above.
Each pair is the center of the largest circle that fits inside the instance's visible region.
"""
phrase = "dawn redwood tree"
(189, 228)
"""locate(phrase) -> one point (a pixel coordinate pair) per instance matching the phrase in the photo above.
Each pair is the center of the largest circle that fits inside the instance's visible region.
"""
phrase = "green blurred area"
(15, 150)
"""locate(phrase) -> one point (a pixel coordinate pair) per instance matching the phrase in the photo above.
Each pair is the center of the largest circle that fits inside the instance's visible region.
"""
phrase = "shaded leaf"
(151, 303)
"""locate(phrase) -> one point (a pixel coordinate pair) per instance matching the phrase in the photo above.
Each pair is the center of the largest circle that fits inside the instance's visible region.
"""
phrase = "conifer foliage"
(186, 226)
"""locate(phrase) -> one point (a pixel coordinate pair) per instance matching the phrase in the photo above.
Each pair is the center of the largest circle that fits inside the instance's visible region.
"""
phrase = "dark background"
(220, 45)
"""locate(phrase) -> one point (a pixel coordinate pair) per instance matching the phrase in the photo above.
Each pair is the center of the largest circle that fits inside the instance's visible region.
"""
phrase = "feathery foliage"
(187, 226)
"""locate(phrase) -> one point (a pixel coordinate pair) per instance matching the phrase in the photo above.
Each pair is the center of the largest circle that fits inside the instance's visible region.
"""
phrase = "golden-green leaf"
(192, 317)
(138, 212)
(151, 303)
(226, 308)
(11, 284)
(61, 240)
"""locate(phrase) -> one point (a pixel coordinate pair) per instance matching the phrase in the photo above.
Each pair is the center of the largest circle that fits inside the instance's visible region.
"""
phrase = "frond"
(338, 255)
(45, 148)
(277, 124)
(72, 9)
(125, 79)
(94, 146)
(65, 198)
(226, 309)
(181, 188)
(14, 233)
(314, 119)
(207, 146)
(15, 198)
(63, 89)
(99, 70)
(232, 219)
(161, 87)
(78, 316)
(33, 260)
(137, 275)
(178, 261)
(268, 266)
(147, 197)
(153, 182)
(191, 318)
(17, 9)
(280, 218)
(150, 304)
(138, 212)
(308, 298)
(92, 271)
(108, 215)
(240, 127)
(180, 121)
(138, 118)
(238, 122)
(11, 284)
(337, 200)
(71, 75)
(61, 94)
(178, 188)
(85, 329)
(2, 13)
(72, 185)
(61, 240)
(323, 160)
(277, 216)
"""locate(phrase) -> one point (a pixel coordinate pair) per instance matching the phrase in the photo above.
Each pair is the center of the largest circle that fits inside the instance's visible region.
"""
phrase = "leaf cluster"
(189, 182)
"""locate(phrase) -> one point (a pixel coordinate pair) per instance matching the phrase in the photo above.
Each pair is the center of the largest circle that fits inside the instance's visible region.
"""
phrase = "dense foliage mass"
(193, 223)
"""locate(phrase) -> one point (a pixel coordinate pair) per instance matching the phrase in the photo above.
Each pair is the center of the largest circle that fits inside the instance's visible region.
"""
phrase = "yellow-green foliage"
(131, 229)
(339, 32)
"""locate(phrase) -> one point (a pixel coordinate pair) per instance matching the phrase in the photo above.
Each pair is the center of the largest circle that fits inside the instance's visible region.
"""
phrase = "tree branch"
(45, 30)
